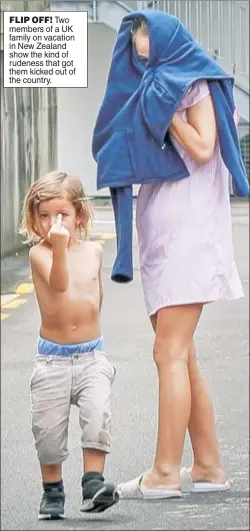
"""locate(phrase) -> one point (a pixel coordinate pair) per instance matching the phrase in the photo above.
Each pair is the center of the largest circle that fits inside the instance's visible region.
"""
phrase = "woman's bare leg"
(207, 461)
(174, 331)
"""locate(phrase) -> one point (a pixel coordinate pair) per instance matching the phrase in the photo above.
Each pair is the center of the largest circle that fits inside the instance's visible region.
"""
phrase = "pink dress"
(185, 233)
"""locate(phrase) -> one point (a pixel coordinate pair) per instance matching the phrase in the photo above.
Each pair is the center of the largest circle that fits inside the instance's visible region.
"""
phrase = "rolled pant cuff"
(96, 446)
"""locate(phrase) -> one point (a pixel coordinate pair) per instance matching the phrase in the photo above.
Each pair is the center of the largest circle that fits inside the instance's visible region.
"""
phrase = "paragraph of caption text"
(46, 49)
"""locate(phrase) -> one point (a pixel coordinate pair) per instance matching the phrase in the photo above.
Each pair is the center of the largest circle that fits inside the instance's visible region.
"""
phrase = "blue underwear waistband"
(44, 346)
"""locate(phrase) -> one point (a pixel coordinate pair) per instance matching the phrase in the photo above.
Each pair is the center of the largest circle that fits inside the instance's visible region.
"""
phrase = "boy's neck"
(73, 244)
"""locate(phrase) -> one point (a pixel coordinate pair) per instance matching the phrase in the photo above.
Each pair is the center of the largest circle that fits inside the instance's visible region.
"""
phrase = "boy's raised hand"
(59, 235)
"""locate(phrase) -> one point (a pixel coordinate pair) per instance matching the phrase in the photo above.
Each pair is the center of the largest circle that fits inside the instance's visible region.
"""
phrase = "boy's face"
(47, 212)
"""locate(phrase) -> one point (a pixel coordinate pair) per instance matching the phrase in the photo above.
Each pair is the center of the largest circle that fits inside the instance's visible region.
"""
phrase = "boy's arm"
(55, 273)
(59, 276)
(100, 277)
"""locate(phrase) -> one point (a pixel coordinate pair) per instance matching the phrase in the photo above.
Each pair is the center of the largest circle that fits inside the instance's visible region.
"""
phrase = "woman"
(186, 261)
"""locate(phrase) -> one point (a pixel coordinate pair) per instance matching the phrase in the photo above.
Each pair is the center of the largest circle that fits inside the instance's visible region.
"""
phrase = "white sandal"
(132, 490)
(188, 485)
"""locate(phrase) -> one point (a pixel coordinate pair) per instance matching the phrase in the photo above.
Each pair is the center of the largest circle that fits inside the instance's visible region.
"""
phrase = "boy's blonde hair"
(55, 184)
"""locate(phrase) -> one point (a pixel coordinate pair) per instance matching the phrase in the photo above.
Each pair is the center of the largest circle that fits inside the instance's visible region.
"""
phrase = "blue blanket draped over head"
(131, 144)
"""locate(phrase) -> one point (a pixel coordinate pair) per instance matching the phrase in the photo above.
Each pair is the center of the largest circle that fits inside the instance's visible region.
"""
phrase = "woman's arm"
(198, 134)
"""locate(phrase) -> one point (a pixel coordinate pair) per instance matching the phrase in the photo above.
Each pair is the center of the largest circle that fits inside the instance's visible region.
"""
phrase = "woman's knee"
(170, 351)
(175, 327)
(193, 366)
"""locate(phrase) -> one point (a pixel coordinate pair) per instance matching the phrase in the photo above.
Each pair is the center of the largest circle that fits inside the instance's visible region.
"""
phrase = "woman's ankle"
(162, 477)
(208, 472)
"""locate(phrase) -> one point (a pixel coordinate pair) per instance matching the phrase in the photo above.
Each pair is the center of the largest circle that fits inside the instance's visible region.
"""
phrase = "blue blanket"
(131, 144)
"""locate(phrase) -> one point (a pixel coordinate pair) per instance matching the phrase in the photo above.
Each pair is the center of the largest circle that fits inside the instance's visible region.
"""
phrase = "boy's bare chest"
(83, 274)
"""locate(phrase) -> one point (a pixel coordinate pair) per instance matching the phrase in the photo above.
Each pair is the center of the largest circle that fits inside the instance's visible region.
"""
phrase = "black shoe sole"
(102, 500)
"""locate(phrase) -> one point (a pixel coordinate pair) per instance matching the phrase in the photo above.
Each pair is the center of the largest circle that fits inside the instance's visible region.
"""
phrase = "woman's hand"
(198, 134)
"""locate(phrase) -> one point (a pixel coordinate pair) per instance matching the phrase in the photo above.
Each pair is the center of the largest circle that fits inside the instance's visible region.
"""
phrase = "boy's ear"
(80, 216)
(79, 219)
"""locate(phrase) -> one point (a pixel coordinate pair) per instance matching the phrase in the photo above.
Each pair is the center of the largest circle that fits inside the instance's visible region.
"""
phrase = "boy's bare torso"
(72, 316)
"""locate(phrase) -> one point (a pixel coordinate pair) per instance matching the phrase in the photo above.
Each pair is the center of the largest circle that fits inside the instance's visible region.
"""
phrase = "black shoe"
(52, 504)
(97, 496)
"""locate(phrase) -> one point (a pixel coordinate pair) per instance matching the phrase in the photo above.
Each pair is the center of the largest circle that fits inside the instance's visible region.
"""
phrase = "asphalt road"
(223, 346)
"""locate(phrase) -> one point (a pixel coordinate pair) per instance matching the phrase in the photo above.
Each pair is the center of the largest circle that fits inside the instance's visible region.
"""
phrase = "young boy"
(71, 366)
